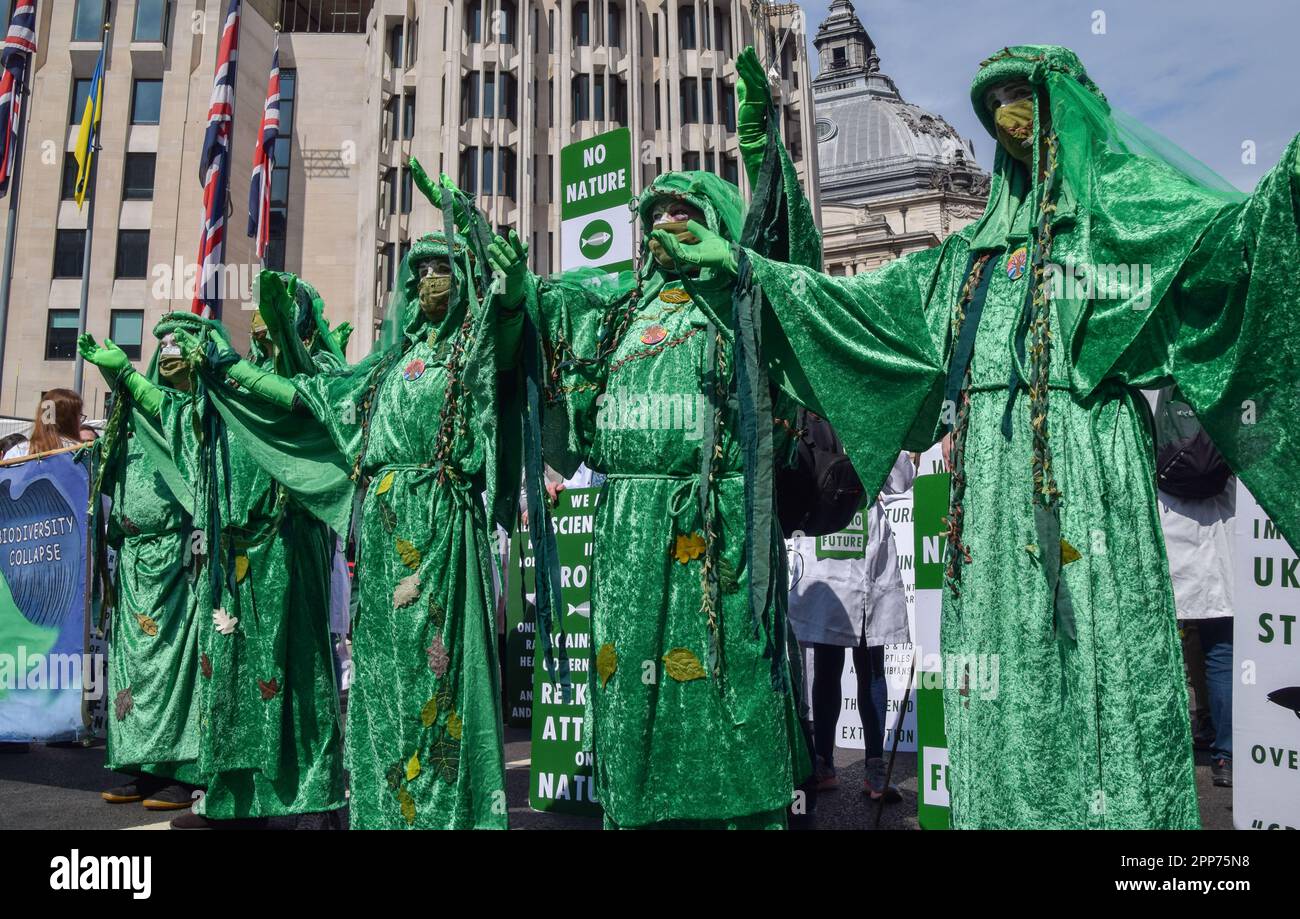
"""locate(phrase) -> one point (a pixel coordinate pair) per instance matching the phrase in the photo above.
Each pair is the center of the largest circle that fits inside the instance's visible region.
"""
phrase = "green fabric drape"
(1086, 727)
(691, 711)
(417, 426)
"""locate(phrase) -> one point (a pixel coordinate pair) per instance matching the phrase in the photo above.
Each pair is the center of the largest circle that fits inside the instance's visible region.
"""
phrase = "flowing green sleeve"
(1235, 341)
(576, 320)
(857, 351)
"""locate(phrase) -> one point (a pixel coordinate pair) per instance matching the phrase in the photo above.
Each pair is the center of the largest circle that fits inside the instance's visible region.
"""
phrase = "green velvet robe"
(1067, 707)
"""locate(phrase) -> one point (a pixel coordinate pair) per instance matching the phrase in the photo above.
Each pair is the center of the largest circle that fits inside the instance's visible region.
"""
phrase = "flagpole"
(15, 181)
(79, 365)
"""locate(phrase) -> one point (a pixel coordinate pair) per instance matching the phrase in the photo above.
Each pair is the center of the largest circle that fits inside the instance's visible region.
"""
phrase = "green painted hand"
(712, 251)
(753, 99)
(110, 358)
(510, 257)
(342, 332)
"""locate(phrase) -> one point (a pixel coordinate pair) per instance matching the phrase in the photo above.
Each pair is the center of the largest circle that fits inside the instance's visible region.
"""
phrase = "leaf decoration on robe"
(727, 578)
(606, 663)
(1069, 553)
(148, 624)
(407, 592)
(454, 725)
(409, 555)
(413, 766)
(241, 568)
(429, 712)
(439, 659)
(269, 688)
(688, 547)
(445, 756)
(205, 666)
(123, 704)
(683, 666)
(388, 516)
(224, 622)
(407, 803)
(394, 776)
(385, 483)
(437, 614)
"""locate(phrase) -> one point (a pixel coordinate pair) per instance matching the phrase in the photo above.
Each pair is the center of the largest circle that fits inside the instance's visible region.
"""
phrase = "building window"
(508, 13)
(581, 98)
(69, 253)
(598, 109)
(146, 101)
(581, 24)
(132, 254)
(395, 46)
(88, 21)
(388, 192)
(150, 20)
(126, 328)
(390, 264)
(68, 188)
(658, 102)
(690, 161)
(509, 93)
(408, 190)
(690, 101)
(707, 96)
(276, 245)
(137, 176)
(408, 116)
(474, 21)
(469, 169)
(614, 34)
(618, 100)
(488, 173)
(727, 105)
(390, 118)
(730, 171)
(469, 96)
(61, 335)
(489, 94)
(506, 182)
(80, 95)
(686, 27)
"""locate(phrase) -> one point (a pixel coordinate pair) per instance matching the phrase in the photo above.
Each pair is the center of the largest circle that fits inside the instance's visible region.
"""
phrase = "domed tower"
(894, 177)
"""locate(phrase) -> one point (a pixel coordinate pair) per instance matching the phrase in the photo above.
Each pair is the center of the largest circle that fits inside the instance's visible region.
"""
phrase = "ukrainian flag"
(88, 136)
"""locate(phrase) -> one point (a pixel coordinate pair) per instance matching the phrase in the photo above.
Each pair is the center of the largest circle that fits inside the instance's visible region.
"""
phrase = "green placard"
(929, 510)
(560, 773)
(596, 186)
(848, 543)
(520, 629)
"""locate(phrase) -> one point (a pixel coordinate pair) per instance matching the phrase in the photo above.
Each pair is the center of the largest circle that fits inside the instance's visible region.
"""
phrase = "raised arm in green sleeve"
(116, 368)
(753, 100)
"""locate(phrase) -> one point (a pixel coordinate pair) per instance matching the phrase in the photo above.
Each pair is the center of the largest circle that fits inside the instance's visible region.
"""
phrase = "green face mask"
(1015, 124)
(676, 228)
(176, 371)
(435, 294)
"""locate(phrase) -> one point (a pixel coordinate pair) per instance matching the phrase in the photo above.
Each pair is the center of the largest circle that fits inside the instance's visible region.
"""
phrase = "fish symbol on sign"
(1287, 698)
(581, 609)
(598, 239)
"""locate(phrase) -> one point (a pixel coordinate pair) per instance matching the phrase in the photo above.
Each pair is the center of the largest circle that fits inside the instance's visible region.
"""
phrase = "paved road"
(58, 788)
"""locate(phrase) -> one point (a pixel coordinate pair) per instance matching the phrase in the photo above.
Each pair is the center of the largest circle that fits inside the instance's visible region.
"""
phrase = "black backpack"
(819, 492)
(1187, 463)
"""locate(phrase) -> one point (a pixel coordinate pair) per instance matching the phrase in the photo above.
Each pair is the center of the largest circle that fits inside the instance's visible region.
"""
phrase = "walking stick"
(893, 747)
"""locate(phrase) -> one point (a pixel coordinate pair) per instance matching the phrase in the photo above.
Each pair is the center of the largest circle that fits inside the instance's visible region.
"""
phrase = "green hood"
(724, 211)
(404, 321)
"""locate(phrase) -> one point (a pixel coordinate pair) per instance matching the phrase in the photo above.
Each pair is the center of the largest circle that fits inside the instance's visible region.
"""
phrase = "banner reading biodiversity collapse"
(44, 552)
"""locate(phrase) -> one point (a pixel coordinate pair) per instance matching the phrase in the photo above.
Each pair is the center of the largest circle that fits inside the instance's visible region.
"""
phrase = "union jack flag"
(259, 193)
(214, 170)
(20, 45)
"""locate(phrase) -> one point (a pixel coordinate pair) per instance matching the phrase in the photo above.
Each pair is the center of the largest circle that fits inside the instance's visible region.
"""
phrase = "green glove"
(753, 99)
(268, 386)
(342, 332)
(712, 251)
(511, 259)
(110, 359)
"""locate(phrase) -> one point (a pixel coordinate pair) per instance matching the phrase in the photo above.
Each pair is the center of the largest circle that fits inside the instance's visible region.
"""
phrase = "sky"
(1209, 76)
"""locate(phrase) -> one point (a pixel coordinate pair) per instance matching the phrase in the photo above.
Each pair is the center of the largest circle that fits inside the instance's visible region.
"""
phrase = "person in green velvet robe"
(270, 735)
(415, 426)
(1104, 263)
(151, 617)
(656, 380)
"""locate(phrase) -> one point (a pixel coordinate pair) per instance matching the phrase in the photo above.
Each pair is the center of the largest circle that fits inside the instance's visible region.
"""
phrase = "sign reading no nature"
(596, 182)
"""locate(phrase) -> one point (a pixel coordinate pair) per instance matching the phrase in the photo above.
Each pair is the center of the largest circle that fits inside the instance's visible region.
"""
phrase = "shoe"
(192, 821)
(135, 790)
(169, 798)
(825, 777)
(874, 787)
(1221, 770)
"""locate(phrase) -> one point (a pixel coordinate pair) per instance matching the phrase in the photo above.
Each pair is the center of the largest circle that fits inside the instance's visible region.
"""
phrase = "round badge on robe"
(654, 335)
(413, 371)
(674, 295)
(1016, 262)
